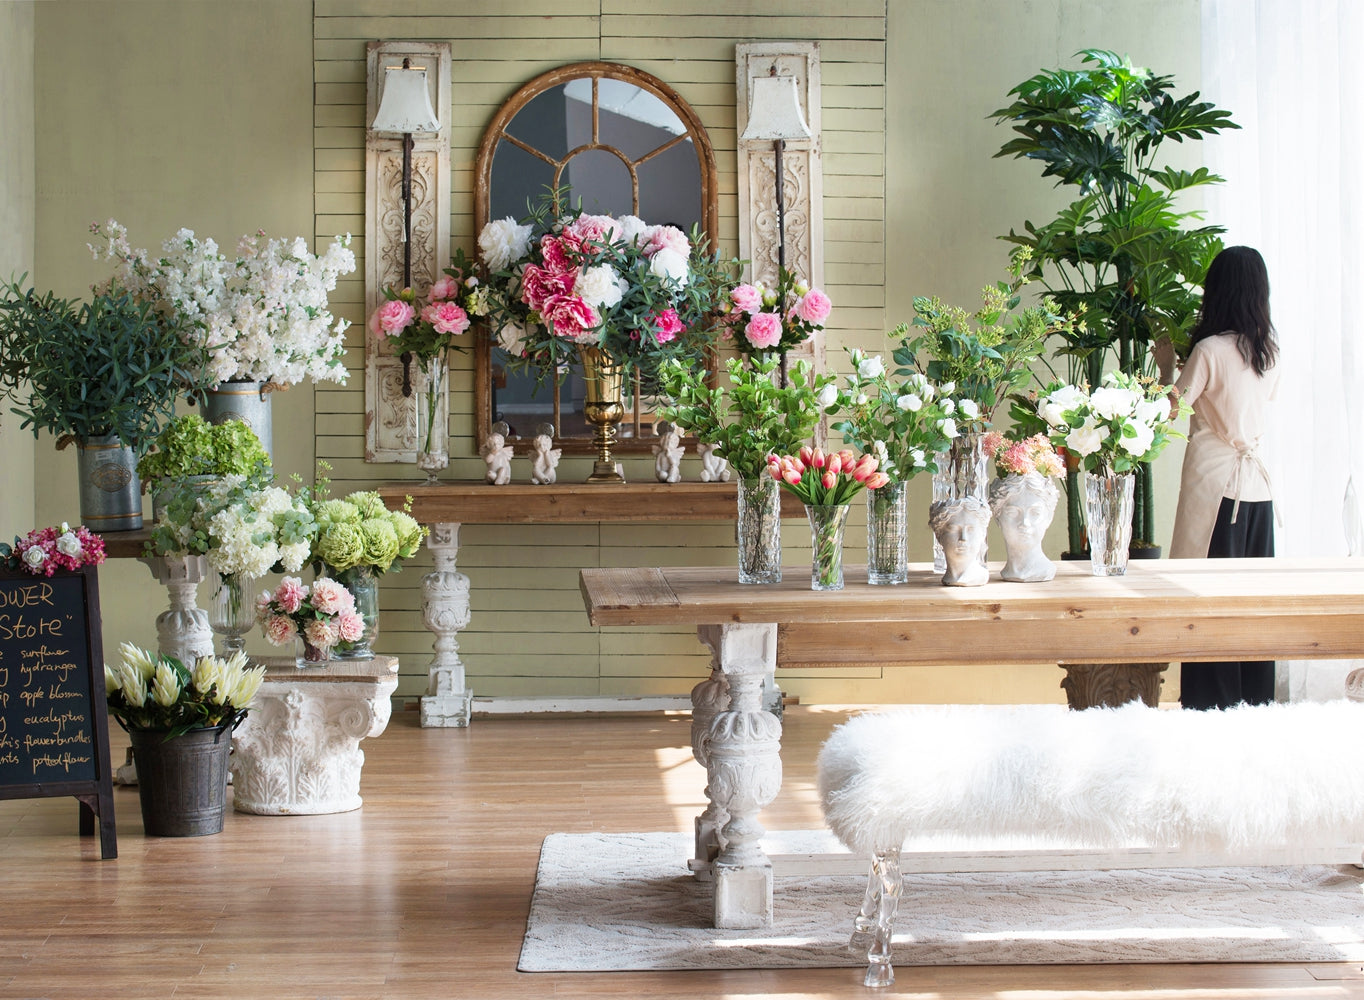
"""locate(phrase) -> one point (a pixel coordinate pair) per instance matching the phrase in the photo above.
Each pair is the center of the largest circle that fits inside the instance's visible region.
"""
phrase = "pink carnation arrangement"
(1018, 458)
(45, 551)
(766, 319)
(323, 614)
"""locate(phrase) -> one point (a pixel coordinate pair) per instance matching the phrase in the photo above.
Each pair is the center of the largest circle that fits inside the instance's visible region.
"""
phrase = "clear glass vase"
(363, 583)
(232, 609)
(1108, 512)
(963, 471)
(826, 541)
(759, 530)
(433, 448)
(887, 538)
(306, 655)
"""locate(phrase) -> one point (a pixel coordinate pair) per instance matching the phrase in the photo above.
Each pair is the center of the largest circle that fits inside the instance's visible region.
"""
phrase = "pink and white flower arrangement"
(562, 282)
(262, 315)
(1021, 457)
(821, 479)
(762, 319)
(323, 614)
(45, 551)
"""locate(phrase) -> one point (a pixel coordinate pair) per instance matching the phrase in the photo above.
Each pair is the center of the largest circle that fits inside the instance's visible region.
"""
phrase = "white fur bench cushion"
(1262, 776)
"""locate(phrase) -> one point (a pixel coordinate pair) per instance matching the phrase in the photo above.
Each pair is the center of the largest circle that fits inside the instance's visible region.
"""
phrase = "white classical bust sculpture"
(960, 527)
(544, 457)
(1024, 506)
(667, 453)
(714, 469)
(497, 454)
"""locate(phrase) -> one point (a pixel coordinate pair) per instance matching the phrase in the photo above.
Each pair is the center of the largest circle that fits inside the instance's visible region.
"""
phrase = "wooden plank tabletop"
(570, 503)
(1193, 609)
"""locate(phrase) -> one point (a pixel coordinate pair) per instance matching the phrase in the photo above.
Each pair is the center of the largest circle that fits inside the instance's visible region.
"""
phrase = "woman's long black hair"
(1236, 300)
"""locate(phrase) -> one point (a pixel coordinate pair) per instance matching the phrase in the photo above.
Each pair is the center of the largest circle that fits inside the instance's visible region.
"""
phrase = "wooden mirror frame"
(496, 132)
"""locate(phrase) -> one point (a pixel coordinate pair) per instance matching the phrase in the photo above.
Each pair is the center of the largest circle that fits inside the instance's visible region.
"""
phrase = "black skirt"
(1222, 685)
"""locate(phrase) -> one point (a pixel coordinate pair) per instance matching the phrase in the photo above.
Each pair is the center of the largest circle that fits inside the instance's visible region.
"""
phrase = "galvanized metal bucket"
(248, 402)
(182, 782)
(110, 492)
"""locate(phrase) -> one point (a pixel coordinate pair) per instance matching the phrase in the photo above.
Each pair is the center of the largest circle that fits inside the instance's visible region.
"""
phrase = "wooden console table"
(445, 506)
(1189, 609)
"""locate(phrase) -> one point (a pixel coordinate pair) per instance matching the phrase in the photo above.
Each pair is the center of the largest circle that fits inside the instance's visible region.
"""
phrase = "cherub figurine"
(667, 453)
(544, 457)
(498, 454)
(714, 469)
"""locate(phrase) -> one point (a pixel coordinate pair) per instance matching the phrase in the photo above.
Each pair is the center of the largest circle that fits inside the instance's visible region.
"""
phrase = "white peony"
(1112, 403)
(1087, 438)
(600, 287)
(503, 241)
(909, 402)
(512, 339)
(667, 263)
(630, 228)
(872, 367)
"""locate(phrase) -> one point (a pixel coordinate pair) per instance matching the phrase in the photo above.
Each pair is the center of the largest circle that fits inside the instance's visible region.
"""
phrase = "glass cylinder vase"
(827, 522)
(363, 583)
(963, 471)
(759, 530)
(887, 537)
(232, 609)
(308, 655)
(1108, 511)
(433, 449)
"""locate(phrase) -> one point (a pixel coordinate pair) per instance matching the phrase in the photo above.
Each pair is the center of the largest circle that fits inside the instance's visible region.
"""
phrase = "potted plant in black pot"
(180, 721)
(103, 374)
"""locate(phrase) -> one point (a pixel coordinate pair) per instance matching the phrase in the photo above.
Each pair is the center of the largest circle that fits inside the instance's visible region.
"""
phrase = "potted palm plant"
(1124, 257)
(102, 374)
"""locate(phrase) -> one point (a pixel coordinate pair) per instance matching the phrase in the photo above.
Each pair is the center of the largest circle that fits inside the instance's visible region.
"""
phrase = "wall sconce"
(406, 107)
(774, 113)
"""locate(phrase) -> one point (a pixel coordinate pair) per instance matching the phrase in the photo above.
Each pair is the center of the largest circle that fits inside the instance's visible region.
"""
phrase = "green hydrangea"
(341, 546)
(380, 542)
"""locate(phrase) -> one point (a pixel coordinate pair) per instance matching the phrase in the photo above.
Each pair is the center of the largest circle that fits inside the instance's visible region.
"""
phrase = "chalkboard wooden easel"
(54, 724)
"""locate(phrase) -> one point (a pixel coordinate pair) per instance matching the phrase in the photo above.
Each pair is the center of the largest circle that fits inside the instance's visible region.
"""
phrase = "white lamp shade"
(774, 110)
(406, 103)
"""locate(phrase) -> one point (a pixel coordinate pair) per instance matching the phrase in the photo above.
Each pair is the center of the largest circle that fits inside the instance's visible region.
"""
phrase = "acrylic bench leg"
(887, 877)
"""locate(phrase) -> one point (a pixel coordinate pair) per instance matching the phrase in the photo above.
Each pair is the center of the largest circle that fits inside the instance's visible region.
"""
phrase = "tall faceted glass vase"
(363, 583)
(887, 537)
(1108, 510)
(431, 395)
(232, 609)
(759, 530)
(827, 522)
(963, 471)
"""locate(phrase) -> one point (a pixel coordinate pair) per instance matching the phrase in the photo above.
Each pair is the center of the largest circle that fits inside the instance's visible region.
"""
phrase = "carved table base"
(298, 752)
(445, 610)
(1108, 685)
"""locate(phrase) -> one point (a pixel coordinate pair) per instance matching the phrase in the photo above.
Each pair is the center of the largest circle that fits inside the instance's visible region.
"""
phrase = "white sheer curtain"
(1286, 70)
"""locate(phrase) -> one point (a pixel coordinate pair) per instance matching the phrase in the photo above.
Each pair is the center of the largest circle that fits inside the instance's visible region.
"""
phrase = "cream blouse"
(1223, 459)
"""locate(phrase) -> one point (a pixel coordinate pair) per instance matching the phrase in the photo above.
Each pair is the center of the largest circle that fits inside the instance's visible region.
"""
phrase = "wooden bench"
(1132, 787)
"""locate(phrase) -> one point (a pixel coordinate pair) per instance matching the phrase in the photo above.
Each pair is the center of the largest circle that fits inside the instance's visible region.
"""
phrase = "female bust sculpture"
(1024, 506)
(960, 527)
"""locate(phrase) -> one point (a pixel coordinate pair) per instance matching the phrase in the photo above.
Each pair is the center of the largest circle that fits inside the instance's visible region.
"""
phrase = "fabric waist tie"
(1250, 455)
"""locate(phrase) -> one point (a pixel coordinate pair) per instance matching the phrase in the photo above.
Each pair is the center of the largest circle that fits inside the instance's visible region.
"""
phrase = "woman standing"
(1225, 507)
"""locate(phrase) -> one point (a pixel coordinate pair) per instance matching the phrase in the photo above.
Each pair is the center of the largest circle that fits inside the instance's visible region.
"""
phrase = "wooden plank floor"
(424, 892)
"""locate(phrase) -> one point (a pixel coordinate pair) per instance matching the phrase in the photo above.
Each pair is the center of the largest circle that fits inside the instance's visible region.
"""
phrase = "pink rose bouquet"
(45, 551)
(323, 615)
(762, 319)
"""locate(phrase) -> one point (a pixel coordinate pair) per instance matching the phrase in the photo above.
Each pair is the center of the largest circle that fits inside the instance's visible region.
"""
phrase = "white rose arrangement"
(1114, 428)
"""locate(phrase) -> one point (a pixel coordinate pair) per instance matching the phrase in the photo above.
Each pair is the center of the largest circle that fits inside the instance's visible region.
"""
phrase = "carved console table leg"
(182, 631)
(743, 766)
(707, 700)
(298, 752)
(445, 610)
(1108, 685)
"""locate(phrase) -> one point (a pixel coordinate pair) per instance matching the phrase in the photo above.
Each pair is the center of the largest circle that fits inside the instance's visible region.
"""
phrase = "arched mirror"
(619, 141)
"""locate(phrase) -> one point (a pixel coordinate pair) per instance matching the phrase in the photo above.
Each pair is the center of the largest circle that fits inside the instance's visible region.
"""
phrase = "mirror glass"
(620, 142)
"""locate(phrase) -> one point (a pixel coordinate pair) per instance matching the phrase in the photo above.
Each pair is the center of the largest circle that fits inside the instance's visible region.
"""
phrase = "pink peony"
(330, 597)
(569, 316)
(322, 633)
(279, 630)
(446, 317)
(592, 227)
(667, 238)
(290, 594)
(747, 298)
(667, 325)
(555, 252)
(445, 288)
(764, 330)
(814, 307)
(392, 318)
(538, 286)
(350, 626)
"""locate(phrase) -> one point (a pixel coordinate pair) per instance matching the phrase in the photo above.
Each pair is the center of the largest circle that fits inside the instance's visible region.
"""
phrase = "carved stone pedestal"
(445, 610)
(1108, 685)
(298, 752)
(182, 631)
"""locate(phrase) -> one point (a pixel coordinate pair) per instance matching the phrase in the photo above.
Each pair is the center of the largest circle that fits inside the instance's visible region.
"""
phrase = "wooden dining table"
(1186, 610)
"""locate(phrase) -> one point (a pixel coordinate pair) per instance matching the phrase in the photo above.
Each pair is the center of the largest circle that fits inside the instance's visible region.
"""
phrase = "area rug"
(617, 902)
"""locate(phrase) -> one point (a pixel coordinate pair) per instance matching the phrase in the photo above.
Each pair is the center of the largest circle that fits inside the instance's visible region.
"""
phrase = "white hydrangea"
(503, 241)
(293, 556)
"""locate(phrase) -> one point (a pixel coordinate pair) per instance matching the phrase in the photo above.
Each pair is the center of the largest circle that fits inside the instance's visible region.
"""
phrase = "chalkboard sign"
(54, 728)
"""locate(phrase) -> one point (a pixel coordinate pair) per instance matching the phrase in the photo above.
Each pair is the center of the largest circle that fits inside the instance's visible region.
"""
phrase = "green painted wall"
(230, 116)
